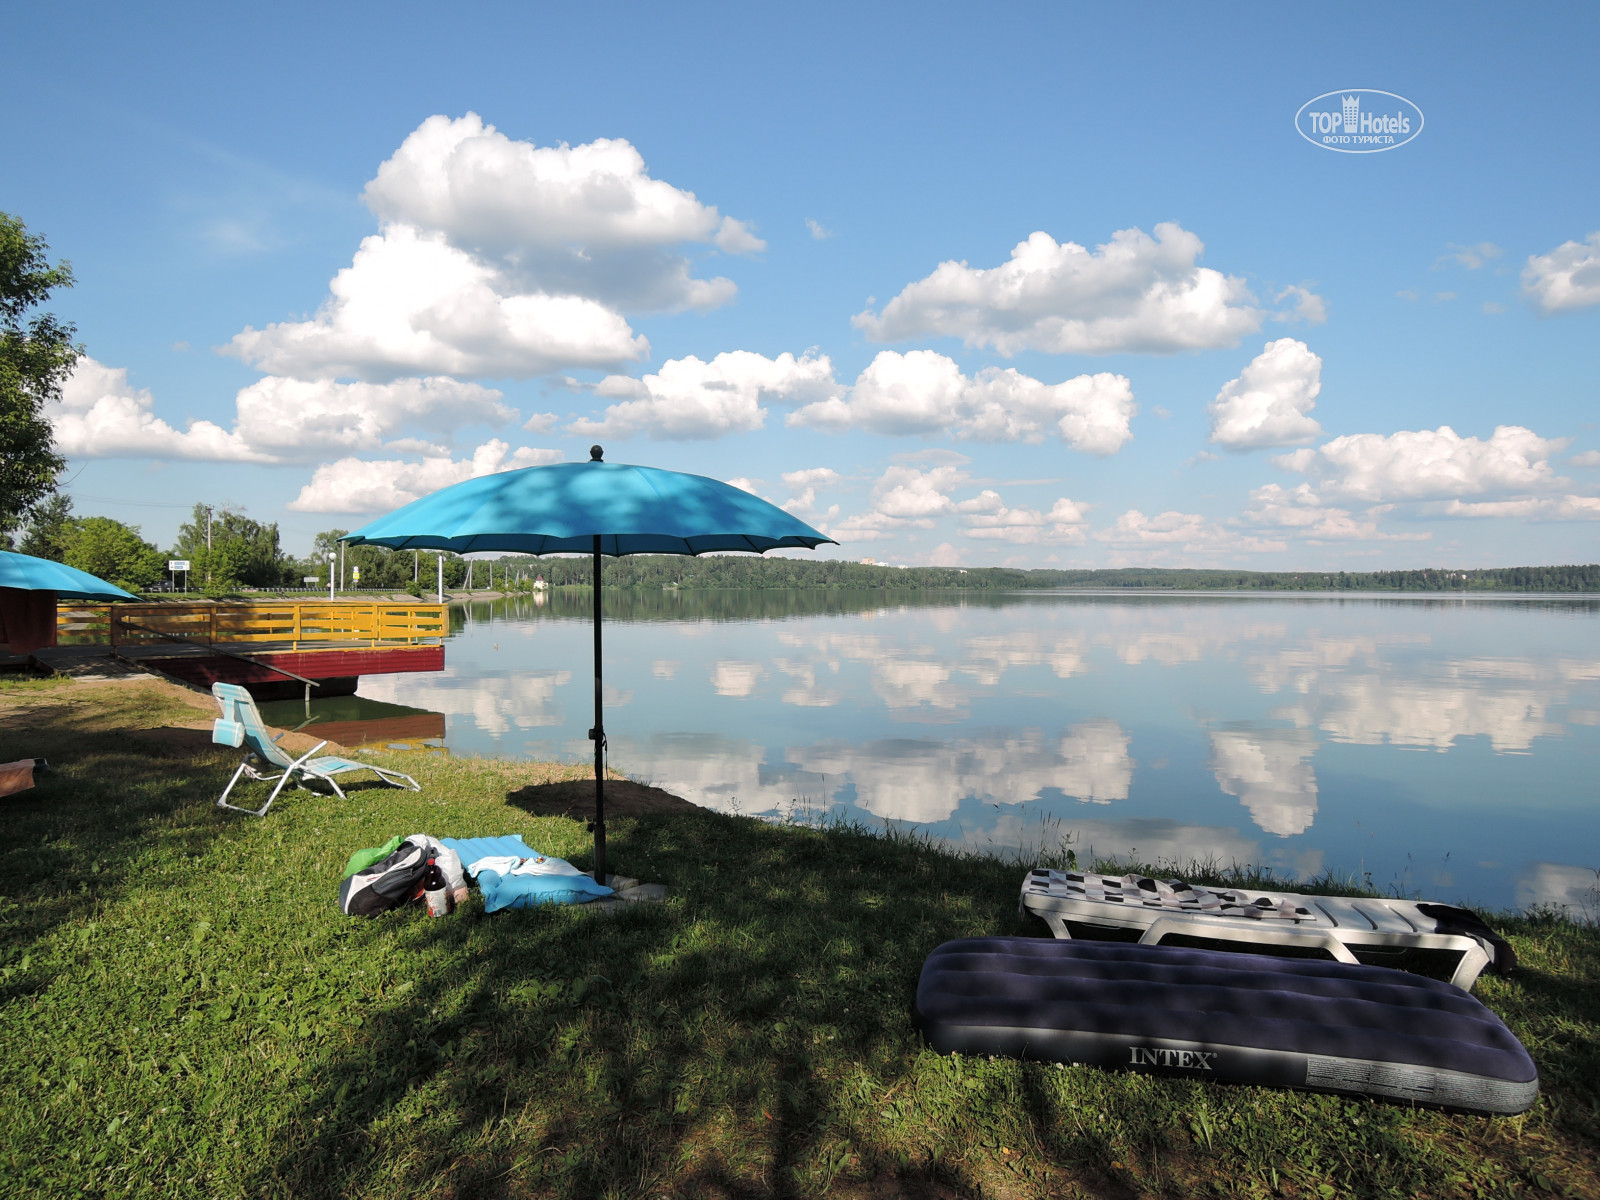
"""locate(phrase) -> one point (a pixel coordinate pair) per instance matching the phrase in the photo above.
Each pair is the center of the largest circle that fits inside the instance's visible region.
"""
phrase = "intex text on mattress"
(1240, 1018)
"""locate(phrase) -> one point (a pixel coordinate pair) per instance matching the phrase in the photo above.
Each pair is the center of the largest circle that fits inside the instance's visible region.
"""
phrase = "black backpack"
(386, 884)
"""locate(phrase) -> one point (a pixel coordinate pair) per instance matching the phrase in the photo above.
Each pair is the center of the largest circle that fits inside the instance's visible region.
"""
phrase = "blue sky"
(1169, 330)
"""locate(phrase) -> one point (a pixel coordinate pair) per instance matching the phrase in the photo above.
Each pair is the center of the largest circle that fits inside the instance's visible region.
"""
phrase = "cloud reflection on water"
(734, 678)
(1270, 771)
(1565, 888)
(1377, 690)
(982, 722)
(495, 704)
(917, 780)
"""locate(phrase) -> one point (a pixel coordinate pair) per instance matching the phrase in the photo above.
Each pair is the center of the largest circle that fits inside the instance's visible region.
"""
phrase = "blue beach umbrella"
(29, 574)
(597, 508)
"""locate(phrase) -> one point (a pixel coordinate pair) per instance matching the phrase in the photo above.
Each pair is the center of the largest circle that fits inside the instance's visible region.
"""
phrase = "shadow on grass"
(124, 801)
(1553, 1003)
(81, 836)
(575, 798)
(725, 1044)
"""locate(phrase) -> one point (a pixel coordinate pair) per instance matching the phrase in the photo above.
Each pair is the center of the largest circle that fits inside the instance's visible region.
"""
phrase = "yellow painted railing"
(292, 621)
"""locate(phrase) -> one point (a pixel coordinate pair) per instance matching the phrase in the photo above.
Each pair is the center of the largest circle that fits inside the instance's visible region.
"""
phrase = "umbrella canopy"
(596, 508)
(30, 574)
(565, 506)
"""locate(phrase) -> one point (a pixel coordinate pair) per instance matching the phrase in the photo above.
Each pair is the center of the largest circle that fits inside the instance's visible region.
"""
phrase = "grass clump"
(183, 1011)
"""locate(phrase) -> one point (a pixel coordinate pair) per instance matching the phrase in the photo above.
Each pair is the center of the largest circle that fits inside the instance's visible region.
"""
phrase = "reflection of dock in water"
(359, 723)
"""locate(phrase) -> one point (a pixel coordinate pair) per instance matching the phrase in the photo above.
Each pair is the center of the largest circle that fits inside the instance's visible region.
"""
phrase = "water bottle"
(433, 890)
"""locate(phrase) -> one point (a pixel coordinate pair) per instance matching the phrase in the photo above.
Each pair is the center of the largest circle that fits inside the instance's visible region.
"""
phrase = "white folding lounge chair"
(1429, 939)
(241, 725)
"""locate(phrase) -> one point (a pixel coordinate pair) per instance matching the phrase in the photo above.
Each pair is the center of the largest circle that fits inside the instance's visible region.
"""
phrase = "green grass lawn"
(184, 1012)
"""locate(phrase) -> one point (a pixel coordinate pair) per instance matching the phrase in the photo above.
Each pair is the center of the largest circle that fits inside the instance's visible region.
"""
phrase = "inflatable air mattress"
(1239, 1018)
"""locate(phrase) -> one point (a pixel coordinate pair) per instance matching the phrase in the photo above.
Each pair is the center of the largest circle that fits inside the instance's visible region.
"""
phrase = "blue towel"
(521, 891)
(472, 849)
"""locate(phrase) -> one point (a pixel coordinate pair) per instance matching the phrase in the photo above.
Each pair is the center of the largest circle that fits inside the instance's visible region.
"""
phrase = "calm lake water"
(1444, 746)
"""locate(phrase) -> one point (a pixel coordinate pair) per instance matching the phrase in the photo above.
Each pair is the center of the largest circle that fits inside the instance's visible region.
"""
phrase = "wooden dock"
(274, 648)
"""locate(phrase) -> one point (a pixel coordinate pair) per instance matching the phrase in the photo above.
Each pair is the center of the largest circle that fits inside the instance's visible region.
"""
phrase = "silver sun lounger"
(1439, 940)
(241, 726)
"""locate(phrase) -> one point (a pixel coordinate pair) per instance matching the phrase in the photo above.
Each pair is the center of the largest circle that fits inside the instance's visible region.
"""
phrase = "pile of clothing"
(509, 872)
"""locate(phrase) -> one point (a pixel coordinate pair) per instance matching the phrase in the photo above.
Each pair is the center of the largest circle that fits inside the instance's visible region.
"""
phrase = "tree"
(326, 543)
(231, 549)
(37, 355)
(113, 551)
(50, 524)
(396, 570)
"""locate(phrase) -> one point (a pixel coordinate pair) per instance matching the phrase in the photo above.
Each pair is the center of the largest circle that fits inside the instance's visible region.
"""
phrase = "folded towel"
(510, 864)
(472, 849)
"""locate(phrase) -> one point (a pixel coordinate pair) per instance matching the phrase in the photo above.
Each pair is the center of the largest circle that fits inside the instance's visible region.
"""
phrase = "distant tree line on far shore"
(748, 571)
(229, 551)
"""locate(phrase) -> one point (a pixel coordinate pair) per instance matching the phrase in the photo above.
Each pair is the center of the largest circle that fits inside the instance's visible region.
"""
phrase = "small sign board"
(311, 579)
(177, 564)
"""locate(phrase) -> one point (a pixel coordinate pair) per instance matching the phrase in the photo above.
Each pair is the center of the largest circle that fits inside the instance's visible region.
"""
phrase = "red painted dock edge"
(312, 664)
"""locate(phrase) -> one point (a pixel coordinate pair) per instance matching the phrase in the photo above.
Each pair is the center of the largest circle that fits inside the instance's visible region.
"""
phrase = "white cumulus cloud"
(1137, 293)
(1566, 278)
(1302, 513)
(689, 398)
(1308, 306)
(102, 415)
(499, 258)
(354, 485)
(908, 494)
(412, 304)
(1170, 532)
(804, 484)
(586, 220)
(861, 527)
(924, 392)
(1270, 403)
(987, 518)
(811, 477)
(1429, 464)
(1135, 529)
(295, 417)
(1537, 508)
(903, 497)
(907, 497)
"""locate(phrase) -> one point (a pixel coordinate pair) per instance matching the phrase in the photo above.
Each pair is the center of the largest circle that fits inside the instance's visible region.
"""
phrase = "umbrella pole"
(598, 733)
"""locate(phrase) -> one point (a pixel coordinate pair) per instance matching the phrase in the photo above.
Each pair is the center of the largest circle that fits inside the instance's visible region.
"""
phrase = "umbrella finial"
(595, 453)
